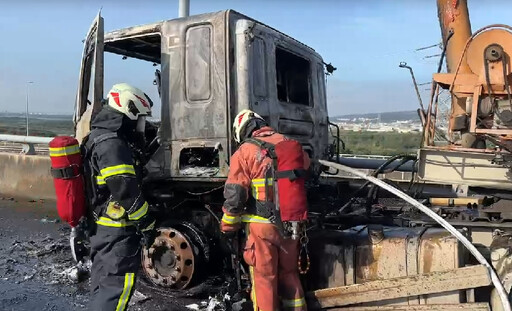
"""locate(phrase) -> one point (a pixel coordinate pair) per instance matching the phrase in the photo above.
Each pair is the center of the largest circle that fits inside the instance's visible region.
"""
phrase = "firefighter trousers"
(273, 262)
(115, 254)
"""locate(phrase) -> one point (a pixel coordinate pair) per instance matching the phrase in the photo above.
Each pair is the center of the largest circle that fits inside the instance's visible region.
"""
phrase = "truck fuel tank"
(369, 253)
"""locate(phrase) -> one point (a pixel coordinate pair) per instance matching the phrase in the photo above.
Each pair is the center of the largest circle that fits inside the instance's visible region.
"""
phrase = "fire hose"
(472, 249)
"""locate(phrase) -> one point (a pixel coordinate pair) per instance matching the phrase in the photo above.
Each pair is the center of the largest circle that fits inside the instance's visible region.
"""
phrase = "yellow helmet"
(241, 120)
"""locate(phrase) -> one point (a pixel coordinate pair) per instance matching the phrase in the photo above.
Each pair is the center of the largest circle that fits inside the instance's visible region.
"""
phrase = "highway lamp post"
(26, 113)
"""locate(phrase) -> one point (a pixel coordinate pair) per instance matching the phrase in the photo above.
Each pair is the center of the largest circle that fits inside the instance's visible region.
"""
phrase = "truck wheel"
(175, 258)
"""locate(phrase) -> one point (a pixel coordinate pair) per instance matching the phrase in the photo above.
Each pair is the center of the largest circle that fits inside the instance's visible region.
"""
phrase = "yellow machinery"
(480, 129)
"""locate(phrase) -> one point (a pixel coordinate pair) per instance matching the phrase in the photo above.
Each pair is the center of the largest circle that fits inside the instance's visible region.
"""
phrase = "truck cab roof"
(143, 41)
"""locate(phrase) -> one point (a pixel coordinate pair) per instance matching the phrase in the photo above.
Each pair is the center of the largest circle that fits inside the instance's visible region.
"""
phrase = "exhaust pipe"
(184, 8)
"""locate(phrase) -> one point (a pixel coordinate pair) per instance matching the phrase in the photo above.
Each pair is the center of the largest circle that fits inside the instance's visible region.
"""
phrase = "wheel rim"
(169, 262)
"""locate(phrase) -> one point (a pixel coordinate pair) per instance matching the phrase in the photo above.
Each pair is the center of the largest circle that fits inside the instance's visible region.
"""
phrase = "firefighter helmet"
(241, 120)
(129, 101)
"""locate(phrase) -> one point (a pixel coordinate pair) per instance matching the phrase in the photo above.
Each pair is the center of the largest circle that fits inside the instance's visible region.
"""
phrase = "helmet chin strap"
(134, 132)
(141, 124)
(140, 137)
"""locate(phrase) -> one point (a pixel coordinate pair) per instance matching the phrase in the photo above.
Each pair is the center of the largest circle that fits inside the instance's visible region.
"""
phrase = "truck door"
(195, 101)
(282, 80)
(90, 83)
(253, 48)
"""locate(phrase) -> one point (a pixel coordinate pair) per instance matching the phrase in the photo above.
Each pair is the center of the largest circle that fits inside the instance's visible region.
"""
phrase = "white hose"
(472, 249)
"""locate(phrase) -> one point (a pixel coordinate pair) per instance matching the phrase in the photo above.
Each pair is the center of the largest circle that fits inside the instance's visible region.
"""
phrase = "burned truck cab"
(212, 66)
(206, 69)
(221, 63)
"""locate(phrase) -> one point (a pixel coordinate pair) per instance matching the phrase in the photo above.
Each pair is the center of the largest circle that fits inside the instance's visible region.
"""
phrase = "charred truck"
(211, 67)
(366, 252)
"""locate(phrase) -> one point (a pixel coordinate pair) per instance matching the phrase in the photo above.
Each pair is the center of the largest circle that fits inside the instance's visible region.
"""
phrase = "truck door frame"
(91, 70)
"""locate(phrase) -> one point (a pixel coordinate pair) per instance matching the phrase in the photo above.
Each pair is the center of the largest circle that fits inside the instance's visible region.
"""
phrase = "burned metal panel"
(132, 32)
(165, 112)
(198, 64)
(141, 42)
(259, 45)
(194, 103)
(382, 255)
(331, 264)
(251, 69)
(501, 259)
(191, 118)
(321, 80)
(461, 167)
(363, 254)
(400, 287)
(91, 75)
(259, 68)
(297, 128)
(439, 251)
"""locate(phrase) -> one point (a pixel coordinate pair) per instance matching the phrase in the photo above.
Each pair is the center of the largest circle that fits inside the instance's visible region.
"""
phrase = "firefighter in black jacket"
(113, 166)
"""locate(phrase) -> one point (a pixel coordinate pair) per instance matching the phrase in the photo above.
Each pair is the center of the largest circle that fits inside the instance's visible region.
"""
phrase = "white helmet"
(241, 120)
(129, 101)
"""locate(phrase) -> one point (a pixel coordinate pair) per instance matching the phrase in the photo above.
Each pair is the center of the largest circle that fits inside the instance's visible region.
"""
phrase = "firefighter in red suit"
(272, 258)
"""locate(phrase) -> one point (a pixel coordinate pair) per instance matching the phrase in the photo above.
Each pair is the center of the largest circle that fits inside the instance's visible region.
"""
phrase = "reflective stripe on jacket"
(258, 190)
(116, 175)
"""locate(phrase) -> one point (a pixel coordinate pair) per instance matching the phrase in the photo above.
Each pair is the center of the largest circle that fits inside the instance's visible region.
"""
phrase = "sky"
(366, 41)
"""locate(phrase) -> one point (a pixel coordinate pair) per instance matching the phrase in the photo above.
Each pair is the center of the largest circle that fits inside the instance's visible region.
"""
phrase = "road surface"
(35, 262)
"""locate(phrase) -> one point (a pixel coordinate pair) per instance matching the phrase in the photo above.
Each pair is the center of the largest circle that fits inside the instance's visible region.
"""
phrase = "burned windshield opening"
(135, 59)
(143, 47)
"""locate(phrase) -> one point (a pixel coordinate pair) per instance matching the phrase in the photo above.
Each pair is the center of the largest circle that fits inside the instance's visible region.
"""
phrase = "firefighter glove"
(146, 227)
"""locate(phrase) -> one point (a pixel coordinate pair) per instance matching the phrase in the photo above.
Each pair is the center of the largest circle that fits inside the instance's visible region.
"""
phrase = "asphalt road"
(35, 263)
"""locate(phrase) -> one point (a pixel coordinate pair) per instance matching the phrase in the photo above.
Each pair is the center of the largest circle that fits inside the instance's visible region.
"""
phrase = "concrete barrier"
(26, 176)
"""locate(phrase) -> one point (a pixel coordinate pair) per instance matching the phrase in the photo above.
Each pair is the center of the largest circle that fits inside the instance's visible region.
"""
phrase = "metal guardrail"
(25, 139)
(30, 145)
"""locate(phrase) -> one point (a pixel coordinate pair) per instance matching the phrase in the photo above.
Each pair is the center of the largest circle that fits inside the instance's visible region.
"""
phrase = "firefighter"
(272, 258)
(113, 169)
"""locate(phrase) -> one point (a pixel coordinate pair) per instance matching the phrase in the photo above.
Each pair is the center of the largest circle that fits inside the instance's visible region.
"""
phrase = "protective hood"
(111, 120)
(252, 126)
(264, 131)
(107, 119)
